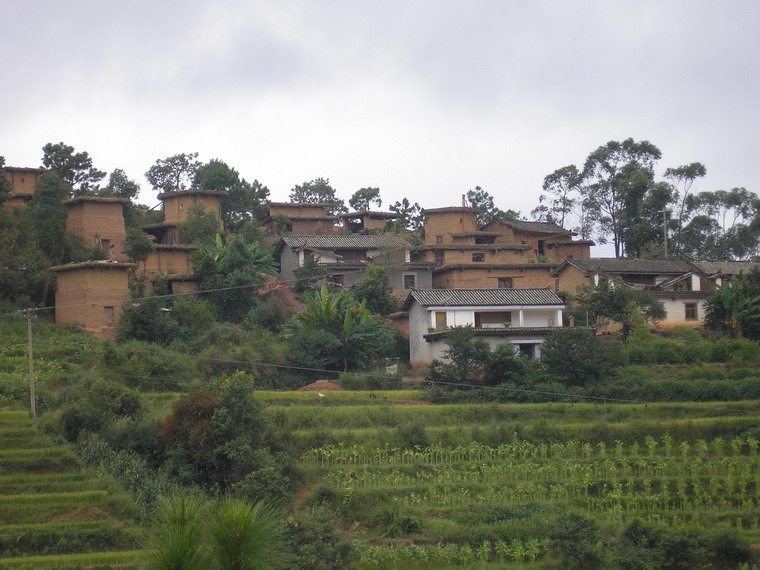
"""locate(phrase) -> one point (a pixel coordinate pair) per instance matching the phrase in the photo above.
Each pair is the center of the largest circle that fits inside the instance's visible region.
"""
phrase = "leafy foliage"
(236, 268)
(734, 307)
(612, 301)
(410, 217)
(75, 169)
(212, 437)
(245, 201)
(173, 173)
(200, 227)
(579, 357)
(363, 198)
(357, 334)
(318, 191)
(485, 208)
(375, 290)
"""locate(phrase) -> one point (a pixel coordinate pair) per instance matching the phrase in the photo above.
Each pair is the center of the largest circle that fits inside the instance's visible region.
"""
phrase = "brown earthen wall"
(83, 294)
(447, 223)
(103, 220)
(477, 278)
(176, 208)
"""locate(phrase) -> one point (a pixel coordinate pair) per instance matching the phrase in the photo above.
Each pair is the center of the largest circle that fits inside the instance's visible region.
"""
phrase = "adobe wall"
(23, 180)
(563, 251)
(296, 209)
(92, 297)
(484, 278)
(571, 278)
(456, 221)
(169, 260)
(176, 208)
(99, 221)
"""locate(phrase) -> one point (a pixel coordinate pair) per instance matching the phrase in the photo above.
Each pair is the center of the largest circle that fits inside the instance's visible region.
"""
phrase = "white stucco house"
(521, 317)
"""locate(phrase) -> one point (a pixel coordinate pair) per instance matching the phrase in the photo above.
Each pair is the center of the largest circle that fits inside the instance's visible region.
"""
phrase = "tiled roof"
(724, 267)
(536, 227)
(501, 331)
(483, 297)
(197, 192)
(624, 265)
(346, 241)
(370, 214)
(102, 199)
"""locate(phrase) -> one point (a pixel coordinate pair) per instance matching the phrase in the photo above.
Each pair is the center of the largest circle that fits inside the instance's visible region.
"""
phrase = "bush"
(579, 357)
(396, 521)
(314, 541)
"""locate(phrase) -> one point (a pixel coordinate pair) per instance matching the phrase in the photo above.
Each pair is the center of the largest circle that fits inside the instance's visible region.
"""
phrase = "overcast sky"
(424, 99)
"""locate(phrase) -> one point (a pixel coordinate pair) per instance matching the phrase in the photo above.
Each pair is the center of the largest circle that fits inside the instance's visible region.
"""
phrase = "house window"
(439, 257)
(439, 239)
(335, 280)
(540, 247)
(440, 320)
(478, 257)
(485, 240)
(691, 311)
(410, 282)
(556, 284)
(505, 283)
(108, 314)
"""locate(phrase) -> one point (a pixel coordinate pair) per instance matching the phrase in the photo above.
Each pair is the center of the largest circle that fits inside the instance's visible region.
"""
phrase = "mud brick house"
(547, 241)
(520, 317)
(172, 256)
(365, 221)
(681, 286)
(23, 181)
(100, 221)
(303, 219)
(91, 294)
(504, 254)
(345, 258)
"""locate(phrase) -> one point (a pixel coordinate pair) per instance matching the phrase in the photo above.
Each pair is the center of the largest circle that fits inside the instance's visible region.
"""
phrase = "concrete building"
(520, 317)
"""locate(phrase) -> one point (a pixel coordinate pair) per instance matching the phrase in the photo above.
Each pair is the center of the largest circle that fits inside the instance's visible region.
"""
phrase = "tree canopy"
(173, 173)
(363, 198)
(75, 169)
(485, 208)
(318, 191)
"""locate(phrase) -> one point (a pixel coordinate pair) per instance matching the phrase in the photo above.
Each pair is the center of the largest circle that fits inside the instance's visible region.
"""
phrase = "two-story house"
(681, 286)
(520, 317)
(345, 257)
(503, 254)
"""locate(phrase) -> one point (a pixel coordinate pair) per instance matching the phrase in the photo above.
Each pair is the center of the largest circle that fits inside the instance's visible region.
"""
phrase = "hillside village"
(541, 262)
(411, 388)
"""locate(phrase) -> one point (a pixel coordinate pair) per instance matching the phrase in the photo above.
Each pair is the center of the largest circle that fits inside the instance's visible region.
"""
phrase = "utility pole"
(32, 399)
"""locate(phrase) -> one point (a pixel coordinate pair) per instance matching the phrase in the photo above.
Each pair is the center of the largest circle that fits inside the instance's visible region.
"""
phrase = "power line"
(388, 377)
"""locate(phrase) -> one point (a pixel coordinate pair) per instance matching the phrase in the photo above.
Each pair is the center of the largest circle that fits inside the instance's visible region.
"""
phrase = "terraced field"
(53, 514)
(485, 484)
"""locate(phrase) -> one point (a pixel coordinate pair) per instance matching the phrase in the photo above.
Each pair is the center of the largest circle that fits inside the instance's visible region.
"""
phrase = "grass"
(125, 560)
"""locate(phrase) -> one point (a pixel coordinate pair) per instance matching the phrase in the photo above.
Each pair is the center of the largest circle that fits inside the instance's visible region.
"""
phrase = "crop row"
(508, 471)
(452, 554)
(521, 450)
(123, 560)
(360, 416)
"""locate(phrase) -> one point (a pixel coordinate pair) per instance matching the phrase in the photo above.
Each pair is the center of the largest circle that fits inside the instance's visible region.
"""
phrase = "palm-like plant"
(246, 537)
(359, 331)
(193, 534)
(177, 541)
